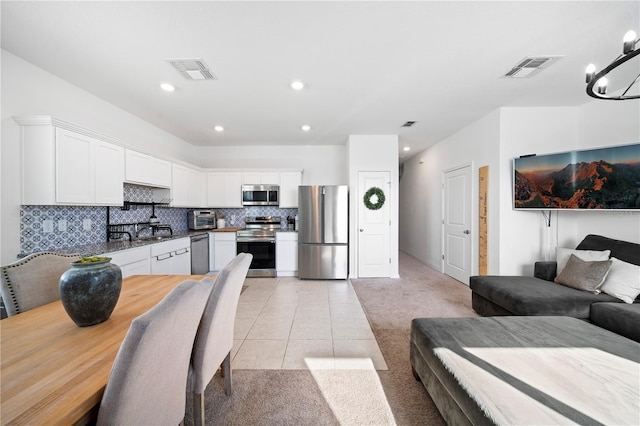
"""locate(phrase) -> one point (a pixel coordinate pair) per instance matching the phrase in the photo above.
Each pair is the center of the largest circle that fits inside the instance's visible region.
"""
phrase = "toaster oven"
(201, 219)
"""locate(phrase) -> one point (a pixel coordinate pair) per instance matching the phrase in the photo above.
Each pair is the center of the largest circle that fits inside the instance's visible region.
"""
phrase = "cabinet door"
(224, 189)
(233, 189)
(75, 182)
(179, 186)
(147, 170)
(286, 253)
(251, 178)
(162, 264)
(109, 173)
(224, 249)
(215, 189)
(181, 262)
(270, 178)
(289, 182)
(142, 267)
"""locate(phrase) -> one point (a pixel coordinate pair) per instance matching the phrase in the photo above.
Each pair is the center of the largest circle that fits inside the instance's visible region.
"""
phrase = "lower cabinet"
(132, 262)
(171, 257)
(287, 254)
(224, 249)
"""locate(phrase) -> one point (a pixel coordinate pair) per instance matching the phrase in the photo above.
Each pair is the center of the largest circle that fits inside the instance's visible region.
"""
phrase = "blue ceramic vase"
(90, 291)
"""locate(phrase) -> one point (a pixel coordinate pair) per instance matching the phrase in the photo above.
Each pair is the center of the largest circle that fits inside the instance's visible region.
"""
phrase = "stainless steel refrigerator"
(323, 232)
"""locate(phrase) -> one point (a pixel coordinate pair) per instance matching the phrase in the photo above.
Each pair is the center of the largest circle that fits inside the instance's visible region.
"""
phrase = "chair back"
(149, 375)
(215, 334)
(33, 280)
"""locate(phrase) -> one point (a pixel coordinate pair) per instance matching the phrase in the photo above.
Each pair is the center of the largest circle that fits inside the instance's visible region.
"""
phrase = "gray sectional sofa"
(540, 295)
(544, 353)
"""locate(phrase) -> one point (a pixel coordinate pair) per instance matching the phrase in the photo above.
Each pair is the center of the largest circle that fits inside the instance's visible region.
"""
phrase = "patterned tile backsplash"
(33, 239)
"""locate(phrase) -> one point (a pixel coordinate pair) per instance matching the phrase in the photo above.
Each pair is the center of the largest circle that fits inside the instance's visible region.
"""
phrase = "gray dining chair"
(33, 280)
(214, 340)
(149, 375)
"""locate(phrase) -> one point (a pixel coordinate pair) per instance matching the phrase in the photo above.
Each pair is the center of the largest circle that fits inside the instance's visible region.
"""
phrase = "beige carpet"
(351, 397)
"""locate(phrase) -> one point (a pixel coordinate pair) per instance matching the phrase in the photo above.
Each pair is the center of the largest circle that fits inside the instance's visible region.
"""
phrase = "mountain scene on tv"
(607, 178)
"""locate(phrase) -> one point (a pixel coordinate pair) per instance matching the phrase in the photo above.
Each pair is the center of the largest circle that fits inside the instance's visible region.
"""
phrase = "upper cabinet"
(61, 166)
(289, 182)
(143, 169)
(224, 189)
(261, 178)
(187, 187)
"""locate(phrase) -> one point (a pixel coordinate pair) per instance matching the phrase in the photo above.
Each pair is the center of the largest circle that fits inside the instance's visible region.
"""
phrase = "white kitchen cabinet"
(143, 169)
(289, 182)
(171, 257)
(224, 189)
(61, 166)
(260, 178)
(186, 186)
(134, 261)
(224, 249)
(287, 254)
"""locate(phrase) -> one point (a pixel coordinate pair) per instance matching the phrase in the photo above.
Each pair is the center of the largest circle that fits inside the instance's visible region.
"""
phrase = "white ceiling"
(368, 66)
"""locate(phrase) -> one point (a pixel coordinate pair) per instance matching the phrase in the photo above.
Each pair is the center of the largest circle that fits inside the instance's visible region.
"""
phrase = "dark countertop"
(124, 244)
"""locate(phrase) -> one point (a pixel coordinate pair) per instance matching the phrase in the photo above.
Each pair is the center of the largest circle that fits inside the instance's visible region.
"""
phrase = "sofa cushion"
(563, 255)
(623, 250)
(623, 281)
(621, 318)
(583, 275)
(533, 296)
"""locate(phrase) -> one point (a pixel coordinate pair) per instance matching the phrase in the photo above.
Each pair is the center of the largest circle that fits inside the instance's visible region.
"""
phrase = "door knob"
(466, 231)
(361, 230)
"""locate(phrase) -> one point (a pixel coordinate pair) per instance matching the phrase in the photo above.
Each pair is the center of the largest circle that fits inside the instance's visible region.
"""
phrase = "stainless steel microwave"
(201, 219)
(260, 195)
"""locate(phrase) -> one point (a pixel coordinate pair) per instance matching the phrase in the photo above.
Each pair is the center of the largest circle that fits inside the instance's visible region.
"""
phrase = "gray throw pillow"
(583, 275)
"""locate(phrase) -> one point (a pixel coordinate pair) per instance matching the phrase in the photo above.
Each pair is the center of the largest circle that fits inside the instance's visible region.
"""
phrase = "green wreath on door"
(370, 202)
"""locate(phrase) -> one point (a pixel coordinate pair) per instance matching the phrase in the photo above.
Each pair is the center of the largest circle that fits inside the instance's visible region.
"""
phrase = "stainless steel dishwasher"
(200, 254)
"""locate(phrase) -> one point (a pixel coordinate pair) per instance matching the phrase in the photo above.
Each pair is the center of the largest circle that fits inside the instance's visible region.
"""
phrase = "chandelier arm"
(616, 63)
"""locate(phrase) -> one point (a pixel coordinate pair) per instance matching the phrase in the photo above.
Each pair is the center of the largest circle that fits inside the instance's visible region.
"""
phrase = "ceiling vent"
(409, 123)
(527, 67)
(192, 69)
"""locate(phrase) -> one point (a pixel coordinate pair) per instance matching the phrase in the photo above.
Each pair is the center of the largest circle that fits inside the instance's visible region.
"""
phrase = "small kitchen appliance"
(201, 219)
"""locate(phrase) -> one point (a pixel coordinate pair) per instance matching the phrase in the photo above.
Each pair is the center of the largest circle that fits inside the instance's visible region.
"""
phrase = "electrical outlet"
(62, 225)
(86, 224)
(47, 226)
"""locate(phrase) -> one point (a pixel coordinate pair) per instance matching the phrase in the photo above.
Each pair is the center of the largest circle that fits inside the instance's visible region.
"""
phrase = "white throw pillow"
(563, 254)
(623, 281)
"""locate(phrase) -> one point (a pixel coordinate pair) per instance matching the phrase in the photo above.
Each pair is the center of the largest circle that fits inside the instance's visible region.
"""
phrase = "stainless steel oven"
(259, 239)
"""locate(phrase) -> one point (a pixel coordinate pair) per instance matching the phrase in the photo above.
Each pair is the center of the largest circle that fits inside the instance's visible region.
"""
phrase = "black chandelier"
(599, 80)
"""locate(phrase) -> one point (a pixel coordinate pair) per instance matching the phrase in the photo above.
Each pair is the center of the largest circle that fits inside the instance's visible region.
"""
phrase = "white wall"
(373, 153)
(421, 192)
(516, 239)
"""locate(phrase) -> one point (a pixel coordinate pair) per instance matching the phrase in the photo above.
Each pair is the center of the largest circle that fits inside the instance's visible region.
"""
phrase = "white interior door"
(457, 223)
(373, 228)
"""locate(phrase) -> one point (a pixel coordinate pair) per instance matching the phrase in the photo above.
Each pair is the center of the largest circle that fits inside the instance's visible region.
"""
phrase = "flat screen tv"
(605, 178)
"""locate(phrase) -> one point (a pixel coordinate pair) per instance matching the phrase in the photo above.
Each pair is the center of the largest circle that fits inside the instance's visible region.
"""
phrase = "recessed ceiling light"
(305, 127)
(167, 87)
(297, 85)
(218, 128)
(406, 148)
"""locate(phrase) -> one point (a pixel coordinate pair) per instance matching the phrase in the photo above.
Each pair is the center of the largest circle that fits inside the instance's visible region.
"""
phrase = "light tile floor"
(286, 323)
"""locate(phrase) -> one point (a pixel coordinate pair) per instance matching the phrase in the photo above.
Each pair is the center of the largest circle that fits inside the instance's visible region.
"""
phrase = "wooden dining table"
(54, 372)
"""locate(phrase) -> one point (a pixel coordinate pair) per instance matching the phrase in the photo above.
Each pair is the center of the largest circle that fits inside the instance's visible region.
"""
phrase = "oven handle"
(255, 240)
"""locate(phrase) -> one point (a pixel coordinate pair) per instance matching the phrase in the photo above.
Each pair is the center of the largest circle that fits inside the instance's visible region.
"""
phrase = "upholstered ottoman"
(526, 370)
